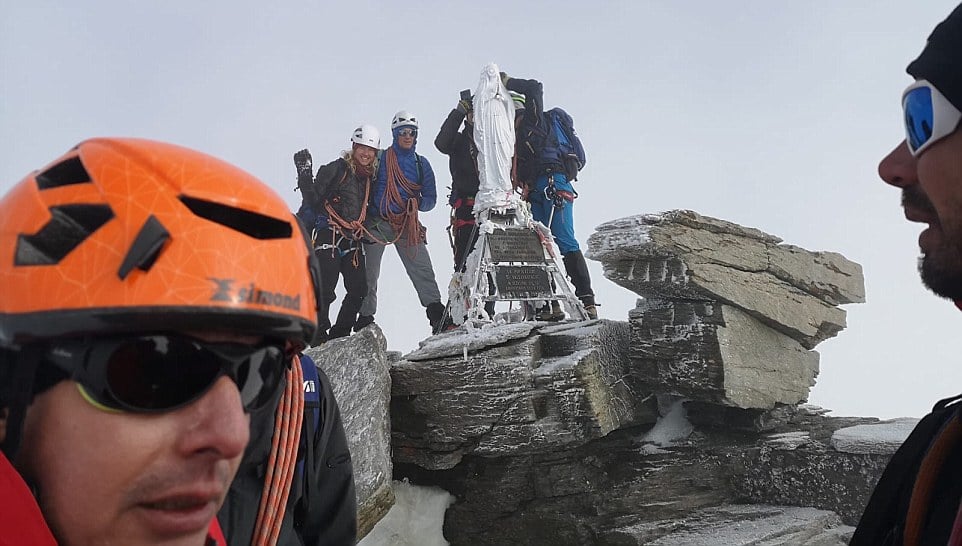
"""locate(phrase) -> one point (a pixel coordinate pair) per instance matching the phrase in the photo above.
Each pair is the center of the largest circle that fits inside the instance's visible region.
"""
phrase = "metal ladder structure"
(513, 260)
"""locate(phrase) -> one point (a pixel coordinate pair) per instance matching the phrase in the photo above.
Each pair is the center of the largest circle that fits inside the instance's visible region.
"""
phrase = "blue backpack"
(562, 144)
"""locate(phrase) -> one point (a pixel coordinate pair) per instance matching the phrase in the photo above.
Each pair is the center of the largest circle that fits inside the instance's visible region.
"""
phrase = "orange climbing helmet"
(123, 235)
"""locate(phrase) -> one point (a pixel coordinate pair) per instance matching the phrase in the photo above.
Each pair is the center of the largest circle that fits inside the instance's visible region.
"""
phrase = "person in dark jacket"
(463, 163)
(547, 187)
(334, 206)
(404, 186)
(917, 498)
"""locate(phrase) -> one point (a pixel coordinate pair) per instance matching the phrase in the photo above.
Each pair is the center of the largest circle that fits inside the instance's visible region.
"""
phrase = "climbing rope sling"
(405, 224)
(283, 459)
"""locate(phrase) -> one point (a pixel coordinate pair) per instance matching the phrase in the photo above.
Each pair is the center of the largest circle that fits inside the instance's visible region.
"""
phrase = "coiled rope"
(354, 227)
(283, 459)
(405, 223)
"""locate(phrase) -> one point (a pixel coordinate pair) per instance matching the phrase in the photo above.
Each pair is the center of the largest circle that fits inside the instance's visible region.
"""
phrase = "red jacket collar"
(21, 521)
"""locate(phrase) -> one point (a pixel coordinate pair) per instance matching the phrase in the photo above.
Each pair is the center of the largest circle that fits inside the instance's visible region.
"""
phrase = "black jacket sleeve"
(533, 93)
(306, 184)
(448, 135)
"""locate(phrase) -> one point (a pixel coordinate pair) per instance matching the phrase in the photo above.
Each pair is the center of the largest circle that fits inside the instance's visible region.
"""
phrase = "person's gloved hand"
(464, 106)
(302, 160)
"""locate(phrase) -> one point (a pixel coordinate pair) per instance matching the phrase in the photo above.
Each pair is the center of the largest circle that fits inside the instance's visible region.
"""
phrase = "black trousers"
(465, 234)
(345, 260)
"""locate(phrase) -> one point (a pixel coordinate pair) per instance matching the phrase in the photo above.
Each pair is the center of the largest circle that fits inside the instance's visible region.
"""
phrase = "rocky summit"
(685, 424)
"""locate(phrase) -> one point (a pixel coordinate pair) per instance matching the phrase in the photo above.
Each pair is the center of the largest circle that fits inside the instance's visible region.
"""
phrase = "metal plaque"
(519, 281)
(515, 245)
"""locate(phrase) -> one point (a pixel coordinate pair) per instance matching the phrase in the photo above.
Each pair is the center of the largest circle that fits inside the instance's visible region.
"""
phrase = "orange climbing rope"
(283, 459)
(355, 227)
(405, 224)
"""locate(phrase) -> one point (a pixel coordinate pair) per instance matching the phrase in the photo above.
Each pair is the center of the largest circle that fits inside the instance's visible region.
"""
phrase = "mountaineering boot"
(362, 321)
(435, 312)
(489, 309)
(320, 337)
(589, 304)
(577, 271)
(551, 313)
(336, 332)
(346, 319)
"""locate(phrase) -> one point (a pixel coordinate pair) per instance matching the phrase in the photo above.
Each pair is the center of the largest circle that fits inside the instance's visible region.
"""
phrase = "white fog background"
(770, 114)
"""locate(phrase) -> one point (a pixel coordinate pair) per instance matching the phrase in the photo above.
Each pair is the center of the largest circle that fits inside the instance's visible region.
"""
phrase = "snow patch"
(416, 519)
(882, 438)
(787, 440)
(670, 428)
(469, 337)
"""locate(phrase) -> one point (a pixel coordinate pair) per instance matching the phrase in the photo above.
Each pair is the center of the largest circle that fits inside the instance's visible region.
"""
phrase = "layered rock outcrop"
(685, 425)
(685, 422)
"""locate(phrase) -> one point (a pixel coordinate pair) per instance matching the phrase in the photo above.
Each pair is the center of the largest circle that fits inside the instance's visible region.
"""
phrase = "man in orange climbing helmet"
(152, 297)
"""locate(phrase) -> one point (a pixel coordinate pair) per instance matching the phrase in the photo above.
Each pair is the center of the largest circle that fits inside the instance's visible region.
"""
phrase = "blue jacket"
(408, 160)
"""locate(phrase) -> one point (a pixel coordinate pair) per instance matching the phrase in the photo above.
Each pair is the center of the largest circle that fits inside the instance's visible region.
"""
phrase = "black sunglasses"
(158, 373)
(408, 132)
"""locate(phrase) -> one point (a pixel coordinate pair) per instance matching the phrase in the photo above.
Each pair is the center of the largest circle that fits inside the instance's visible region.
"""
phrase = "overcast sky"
(770, 114)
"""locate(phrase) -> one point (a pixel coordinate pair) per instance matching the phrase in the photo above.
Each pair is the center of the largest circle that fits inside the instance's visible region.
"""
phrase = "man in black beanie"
(917, 499)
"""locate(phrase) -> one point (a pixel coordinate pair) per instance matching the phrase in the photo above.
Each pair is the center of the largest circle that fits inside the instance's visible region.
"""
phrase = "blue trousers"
(562, 223)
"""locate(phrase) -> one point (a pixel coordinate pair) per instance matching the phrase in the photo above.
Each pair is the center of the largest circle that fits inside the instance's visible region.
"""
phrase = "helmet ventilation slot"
(249, 223)
(69, 226)
(70, 171)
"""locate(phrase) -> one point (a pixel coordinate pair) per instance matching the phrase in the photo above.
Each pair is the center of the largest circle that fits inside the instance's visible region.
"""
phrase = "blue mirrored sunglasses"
(408, 132)
(929, 116)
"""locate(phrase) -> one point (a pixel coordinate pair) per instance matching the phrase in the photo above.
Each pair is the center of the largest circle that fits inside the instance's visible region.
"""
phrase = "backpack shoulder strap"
(312, 413)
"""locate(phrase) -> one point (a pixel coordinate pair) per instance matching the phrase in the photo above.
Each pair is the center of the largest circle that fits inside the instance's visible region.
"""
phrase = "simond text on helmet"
(252, 294)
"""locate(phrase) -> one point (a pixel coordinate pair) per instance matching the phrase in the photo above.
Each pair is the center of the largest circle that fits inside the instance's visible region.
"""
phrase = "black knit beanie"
(941, 61)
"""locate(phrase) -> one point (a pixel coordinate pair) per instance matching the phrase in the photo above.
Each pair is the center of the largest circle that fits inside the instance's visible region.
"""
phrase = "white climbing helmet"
(367, 135)
(404, 118)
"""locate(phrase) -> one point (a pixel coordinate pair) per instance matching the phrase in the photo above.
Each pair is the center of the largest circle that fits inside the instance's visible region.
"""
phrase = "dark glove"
(464, 106)
(302, 160)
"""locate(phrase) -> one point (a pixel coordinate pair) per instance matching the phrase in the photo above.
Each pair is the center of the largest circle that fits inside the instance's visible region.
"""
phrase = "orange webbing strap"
(283, 459)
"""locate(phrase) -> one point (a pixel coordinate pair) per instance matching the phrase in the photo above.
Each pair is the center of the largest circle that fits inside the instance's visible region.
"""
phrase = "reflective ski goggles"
(408, 132)
(158, 373)
(929, 116)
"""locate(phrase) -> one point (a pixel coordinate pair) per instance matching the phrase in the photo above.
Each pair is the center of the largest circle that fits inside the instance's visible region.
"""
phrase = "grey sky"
(770, 114)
